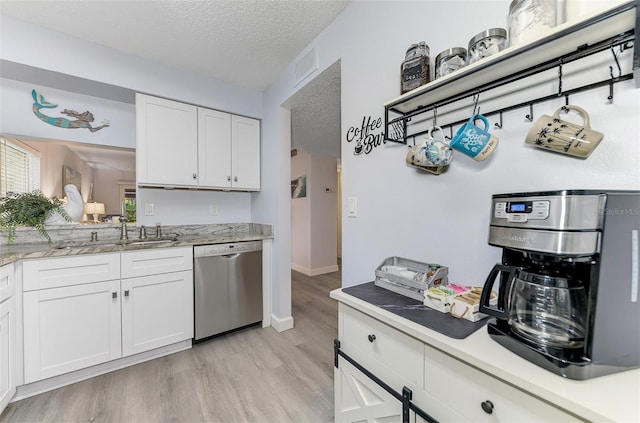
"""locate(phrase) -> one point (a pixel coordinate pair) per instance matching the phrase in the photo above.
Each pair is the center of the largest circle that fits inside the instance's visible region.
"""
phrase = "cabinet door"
(7, 282)
(214, 148)
(70, 328)
(156, 311)
(359, 399)
(166, 142)
(7, 351)
(245, 153)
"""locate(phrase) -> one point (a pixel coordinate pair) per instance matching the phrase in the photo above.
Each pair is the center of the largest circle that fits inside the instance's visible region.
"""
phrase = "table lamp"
(95, 209)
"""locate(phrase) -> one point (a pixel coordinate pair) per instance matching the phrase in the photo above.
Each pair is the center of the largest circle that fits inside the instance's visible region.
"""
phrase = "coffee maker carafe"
(568, 281)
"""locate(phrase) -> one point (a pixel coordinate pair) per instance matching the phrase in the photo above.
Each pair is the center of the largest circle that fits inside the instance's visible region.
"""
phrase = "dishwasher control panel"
(230, 248)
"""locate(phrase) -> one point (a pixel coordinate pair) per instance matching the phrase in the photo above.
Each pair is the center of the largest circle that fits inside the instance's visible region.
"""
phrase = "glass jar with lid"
(487, 43)
(415, 70)
(450, 60)
(530, 19)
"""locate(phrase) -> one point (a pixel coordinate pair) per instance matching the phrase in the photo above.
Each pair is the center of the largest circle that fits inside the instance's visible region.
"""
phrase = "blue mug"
(474, 141)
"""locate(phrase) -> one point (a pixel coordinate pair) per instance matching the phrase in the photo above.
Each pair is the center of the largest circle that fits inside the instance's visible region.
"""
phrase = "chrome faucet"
(143, 232)
(123, 229)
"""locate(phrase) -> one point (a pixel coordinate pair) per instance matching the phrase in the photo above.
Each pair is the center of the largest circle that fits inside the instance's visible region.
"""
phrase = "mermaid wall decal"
(82, 120)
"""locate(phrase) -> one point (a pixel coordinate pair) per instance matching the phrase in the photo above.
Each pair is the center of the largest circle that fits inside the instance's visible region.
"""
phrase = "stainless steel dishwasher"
(227, 287)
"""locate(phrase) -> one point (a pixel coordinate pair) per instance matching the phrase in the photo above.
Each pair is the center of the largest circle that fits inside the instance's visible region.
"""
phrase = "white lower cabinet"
(443, 387)
(156, 311)
(69, 328)
(8, 334)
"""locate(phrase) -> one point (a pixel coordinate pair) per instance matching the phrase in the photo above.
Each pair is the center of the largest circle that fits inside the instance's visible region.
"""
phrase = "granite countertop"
(612, 397)
(76, 241)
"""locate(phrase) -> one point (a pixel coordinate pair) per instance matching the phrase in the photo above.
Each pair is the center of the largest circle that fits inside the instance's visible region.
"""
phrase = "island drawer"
(481, 397)
(372, 342)
(156, 261)
(66, 271)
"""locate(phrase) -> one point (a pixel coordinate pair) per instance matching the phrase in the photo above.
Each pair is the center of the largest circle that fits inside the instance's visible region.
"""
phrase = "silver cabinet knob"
(126, 293)
(195, 176)
(371, 337)
(114, 295)
(229, 178)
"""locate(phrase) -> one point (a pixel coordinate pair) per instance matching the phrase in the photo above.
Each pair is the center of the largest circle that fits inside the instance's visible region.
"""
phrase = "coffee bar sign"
(366, 136)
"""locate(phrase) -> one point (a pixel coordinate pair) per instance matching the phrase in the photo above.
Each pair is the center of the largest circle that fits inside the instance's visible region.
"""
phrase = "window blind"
(19, 169)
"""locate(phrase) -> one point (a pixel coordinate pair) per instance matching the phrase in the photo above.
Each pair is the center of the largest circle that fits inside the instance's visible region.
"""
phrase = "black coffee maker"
(568, 283)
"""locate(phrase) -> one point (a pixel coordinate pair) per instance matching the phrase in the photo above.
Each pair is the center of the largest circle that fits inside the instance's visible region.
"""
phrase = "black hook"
(476, 99)
(566, 103)
(615, 58)
(529, 117)
(450, 137)
(499, 125)
(560, 79)
(610, 98)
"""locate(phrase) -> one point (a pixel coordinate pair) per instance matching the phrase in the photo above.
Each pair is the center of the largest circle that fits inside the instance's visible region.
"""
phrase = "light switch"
(352, 207)
(213, 209)
(148, 209)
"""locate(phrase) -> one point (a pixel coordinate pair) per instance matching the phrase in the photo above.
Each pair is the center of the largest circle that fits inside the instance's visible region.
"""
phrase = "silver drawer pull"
(126, 293)
(114, 295)
(371, 337)
(487, 406)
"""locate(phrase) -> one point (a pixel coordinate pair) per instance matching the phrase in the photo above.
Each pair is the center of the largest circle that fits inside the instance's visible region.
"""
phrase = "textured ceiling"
(243, 42)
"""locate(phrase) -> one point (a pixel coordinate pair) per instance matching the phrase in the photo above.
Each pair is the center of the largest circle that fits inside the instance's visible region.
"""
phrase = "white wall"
(444, 219)
(17, 117)
(301, 216)
(313, 218)
(322, 189)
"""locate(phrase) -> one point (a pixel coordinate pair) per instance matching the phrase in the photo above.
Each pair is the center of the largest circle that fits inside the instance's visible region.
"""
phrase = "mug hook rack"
(398, 127)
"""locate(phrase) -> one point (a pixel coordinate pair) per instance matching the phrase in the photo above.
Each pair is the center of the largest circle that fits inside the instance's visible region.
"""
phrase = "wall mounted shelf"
(565, 43)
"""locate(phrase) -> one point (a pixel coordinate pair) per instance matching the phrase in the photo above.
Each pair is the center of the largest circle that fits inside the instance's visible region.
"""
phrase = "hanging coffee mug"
(474, 141)
(555, 134)
(436, 152)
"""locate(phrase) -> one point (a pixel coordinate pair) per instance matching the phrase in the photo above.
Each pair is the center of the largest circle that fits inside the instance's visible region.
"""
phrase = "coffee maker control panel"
(521, 211)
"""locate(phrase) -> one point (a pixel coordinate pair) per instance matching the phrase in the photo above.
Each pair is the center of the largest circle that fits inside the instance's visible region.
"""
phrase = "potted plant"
(28, 209)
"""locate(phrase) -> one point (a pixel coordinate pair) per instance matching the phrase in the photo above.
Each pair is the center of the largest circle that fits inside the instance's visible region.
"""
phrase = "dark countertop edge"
(45, 250)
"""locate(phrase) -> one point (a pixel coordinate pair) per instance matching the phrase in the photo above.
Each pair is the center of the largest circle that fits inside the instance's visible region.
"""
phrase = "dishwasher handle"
(230, 256)
(213, 250)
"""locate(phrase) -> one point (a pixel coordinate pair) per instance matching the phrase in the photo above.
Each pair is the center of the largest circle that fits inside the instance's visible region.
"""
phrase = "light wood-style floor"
(255, 375)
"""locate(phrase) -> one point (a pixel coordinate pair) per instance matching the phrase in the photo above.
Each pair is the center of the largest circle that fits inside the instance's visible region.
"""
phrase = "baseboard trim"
(315, 272)
(281, 325)
(35, 388)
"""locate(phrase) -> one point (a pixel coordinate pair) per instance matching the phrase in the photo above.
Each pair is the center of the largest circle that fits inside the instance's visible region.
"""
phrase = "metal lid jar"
(530, 19)
(415, 69)
(487, 43)
(450, 60)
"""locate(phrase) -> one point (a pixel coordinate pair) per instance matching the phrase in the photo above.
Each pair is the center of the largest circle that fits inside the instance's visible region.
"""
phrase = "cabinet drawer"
(7, 282)
(465, 388)
(372, 342)
(156, 261)
(66, 271)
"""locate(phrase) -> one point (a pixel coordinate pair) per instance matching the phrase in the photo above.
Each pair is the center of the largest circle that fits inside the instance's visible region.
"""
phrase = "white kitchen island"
(470, 379)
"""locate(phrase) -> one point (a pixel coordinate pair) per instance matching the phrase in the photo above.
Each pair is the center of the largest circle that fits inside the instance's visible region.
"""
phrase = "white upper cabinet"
(187, 146)
(166, 142)
(245, 153)
(214, 153)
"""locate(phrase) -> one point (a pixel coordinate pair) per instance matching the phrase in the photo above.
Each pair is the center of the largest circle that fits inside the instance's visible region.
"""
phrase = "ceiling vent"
(307, 64)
